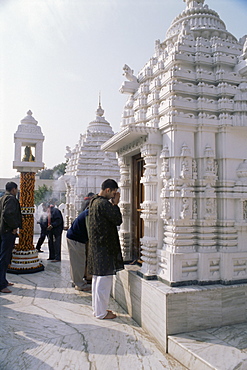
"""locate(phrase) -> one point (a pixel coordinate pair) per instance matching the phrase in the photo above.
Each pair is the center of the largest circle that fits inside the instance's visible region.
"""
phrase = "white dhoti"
(101, 290)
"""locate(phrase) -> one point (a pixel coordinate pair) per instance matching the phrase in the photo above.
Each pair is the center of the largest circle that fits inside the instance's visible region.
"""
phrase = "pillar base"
(26, 270)
(25, 262)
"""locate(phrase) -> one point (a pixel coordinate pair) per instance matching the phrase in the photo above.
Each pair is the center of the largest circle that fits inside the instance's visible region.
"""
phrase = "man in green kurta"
(104, 253)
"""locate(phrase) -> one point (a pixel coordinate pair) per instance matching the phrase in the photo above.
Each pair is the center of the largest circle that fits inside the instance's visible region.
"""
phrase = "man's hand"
(116, 199)
(49, 227)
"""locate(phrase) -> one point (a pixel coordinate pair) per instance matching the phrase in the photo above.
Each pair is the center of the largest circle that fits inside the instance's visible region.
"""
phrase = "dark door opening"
(137, 199)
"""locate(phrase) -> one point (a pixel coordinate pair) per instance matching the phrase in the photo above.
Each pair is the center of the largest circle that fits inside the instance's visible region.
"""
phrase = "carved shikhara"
(88, 165)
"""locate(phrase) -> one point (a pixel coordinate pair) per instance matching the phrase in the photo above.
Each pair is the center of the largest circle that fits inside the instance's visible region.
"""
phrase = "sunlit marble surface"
(47, 324)
(180, 309)
(222, 348)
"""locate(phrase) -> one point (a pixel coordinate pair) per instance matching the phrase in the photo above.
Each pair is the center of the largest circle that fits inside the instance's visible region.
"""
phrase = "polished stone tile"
(222, 348)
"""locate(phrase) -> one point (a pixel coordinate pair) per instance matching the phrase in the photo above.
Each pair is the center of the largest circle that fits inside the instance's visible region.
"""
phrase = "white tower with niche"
(28, 145)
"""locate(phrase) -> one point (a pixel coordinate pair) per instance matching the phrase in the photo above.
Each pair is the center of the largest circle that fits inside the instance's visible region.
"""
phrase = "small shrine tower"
(28, 160)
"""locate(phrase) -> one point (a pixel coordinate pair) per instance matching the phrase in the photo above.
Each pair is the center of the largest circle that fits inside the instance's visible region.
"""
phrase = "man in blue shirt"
(76, 240)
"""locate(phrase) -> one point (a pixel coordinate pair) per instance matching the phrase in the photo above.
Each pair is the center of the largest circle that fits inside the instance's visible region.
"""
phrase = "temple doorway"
(137, 199)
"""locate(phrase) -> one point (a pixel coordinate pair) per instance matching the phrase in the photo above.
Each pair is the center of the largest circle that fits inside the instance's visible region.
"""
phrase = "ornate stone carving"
(194, 169)
(185, 213)
(166, 214)
(189, 269)
(186, 163)
(194, 209)
(210, 209)
(240, 267)
(130, 86)
(185, 169)
(165, 166)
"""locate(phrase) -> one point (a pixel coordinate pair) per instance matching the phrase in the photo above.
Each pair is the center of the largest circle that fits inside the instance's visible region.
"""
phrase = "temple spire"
(99, 99)
(100, 111)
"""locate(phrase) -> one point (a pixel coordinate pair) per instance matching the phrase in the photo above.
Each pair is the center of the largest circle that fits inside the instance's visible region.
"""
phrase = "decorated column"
(149, 213)
(125, 207)
(28, 160)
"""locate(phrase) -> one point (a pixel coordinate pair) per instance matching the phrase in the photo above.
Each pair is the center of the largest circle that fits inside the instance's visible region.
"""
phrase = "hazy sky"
(56, 55)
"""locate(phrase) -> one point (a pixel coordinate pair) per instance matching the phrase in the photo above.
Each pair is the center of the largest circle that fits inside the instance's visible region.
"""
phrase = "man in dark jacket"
(10, 221)
(76, 240)
(55, 229)
(104, 253)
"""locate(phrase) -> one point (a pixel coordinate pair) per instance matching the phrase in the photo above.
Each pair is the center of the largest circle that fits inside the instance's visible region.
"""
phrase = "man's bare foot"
(10, 284)
(6, 290)
(85, 289)
(110, 315)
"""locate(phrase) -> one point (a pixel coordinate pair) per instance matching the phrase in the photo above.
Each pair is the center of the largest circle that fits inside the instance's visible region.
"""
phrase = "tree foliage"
(43, 194)
(54, 173)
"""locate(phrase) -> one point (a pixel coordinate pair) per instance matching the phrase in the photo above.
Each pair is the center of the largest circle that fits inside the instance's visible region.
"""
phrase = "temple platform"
(203, 327)
(223, 348)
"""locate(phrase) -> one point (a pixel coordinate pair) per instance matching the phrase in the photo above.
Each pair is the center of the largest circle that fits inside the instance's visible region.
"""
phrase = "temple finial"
(100, 99)
(100, 111)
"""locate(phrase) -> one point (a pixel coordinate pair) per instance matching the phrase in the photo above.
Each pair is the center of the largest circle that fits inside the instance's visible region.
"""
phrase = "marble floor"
(46, 324)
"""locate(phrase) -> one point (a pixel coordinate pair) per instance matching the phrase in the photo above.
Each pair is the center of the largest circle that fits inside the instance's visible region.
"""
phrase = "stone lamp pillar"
(28, 141)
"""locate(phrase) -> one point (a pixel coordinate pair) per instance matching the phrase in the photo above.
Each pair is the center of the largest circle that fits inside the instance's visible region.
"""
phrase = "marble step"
(223, 348)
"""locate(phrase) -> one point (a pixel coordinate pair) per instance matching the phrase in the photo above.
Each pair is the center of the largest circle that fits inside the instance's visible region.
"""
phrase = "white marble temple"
(185, 116)
(46, 324)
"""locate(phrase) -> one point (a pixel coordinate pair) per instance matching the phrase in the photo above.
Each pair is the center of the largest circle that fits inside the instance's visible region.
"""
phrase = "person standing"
(77, 238)
(86, 201)
(55, 229)
(104, 253)
(43, 229)
(10, 221)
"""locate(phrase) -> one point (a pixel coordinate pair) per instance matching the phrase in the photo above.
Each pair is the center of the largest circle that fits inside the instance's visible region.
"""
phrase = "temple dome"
(100, 124)
(199, 19)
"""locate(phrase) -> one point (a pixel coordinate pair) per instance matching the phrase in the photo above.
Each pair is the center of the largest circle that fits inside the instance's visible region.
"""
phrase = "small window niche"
(28, 153)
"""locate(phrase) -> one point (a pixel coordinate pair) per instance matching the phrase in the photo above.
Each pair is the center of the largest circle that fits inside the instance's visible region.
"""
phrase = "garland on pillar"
(25, 256)
(27, 182)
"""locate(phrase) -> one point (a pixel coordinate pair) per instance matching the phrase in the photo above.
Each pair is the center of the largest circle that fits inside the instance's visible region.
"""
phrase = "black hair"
(90, 194)
(109, 183)
(10, 185)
